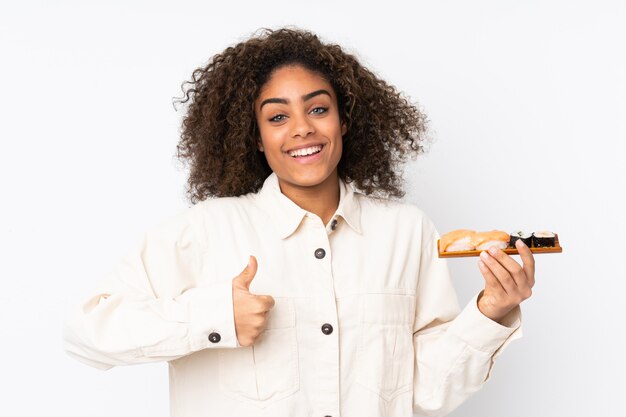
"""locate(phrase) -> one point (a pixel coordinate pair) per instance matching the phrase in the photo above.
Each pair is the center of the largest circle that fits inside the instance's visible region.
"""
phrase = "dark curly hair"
(219, 132)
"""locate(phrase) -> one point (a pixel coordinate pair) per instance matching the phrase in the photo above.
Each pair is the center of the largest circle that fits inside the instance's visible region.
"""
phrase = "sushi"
(466, 240)
(457, 240)
(523, 236)
(485, 240)
(543, 239)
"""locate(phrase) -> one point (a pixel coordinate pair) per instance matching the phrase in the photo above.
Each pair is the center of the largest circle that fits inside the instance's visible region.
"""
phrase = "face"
(301, 134)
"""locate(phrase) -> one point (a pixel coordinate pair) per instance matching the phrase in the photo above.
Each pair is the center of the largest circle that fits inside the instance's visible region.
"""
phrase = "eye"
(323, 110)
(276, 118)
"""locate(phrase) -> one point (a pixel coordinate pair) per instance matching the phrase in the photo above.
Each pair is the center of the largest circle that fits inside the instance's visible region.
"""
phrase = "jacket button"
(320, 253)
(333, 224)
(327, 328)
(214, 337)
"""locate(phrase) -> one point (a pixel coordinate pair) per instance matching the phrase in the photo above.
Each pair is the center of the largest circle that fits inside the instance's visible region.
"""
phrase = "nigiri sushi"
(456, 240)
(485, 240)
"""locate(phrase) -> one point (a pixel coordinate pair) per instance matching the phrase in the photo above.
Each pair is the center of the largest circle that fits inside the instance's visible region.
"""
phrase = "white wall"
(527, 102)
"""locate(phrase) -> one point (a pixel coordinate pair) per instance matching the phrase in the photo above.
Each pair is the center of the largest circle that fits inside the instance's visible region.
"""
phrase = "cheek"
(271, 146)
(267, 139)
(337, 138)
(338, 149)
(272, 149)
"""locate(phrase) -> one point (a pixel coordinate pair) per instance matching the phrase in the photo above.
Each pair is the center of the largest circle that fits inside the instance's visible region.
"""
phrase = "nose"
(301, 126)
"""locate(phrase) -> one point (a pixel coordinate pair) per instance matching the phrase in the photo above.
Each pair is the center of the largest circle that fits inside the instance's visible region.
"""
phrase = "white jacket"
(368, 326)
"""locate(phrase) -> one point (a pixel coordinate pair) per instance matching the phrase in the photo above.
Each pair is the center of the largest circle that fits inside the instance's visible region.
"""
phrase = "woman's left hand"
(507, 283)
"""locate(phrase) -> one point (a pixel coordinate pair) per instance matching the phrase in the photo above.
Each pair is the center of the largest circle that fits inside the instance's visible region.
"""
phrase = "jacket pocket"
(385, 356)
(267, 371)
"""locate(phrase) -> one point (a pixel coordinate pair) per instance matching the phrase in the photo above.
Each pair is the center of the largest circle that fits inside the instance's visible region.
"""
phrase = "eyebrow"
(285, 101)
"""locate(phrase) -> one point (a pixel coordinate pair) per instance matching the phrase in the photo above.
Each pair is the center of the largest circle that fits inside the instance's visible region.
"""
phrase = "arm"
(150, 307)
(454, 350)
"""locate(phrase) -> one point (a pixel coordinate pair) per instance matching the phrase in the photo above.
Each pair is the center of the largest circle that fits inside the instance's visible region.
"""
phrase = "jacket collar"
(287, 215)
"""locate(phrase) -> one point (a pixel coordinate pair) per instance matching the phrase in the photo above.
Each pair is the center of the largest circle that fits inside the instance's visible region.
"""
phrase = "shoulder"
(402, 213)
(220, 206)
(389, 207)
(189, 225)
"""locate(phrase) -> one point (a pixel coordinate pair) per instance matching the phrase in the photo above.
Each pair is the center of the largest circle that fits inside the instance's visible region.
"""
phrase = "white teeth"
(306, 151)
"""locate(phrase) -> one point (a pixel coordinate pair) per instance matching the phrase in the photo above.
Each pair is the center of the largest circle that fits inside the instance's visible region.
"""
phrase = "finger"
(267, 301)
(249, 272)
(490, 279)
(528, 260)
(502, 275)
(514, 269)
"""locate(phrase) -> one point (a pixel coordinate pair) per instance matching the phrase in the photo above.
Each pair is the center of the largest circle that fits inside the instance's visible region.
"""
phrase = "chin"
(308, 180)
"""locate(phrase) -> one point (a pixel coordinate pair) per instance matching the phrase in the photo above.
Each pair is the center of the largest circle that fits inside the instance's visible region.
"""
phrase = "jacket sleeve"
(150, 308)
(454, 350)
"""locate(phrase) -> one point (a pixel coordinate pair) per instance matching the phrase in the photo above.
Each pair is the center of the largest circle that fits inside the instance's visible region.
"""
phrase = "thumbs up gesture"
(250, 310)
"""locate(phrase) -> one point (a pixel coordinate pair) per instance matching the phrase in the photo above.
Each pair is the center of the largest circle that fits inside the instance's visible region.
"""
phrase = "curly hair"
(219, 131)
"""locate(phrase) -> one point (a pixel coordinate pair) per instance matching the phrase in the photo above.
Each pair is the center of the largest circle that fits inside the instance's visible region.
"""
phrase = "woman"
(342, 306)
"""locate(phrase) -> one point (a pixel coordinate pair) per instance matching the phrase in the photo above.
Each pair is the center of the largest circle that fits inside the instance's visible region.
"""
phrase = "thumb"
(248, 273)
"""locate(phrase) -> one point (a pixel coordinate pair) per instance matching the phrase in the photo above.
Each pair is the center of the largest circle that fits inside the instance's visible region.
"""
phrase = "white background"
(527, 102)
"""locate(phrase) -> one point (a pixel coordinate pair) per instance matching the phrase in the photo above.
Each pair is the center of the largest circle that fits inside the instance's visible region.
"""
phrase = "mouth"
(305, 153)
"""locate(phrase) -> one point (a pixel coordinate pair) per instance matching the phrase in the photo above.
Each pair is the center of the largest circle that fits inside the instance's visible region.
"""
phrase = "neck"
(321, 199)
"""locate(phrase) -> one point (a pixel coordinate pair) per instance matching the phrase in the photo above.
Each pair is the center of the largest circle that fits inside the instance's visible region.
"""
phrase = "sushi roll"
(527, 238)
(543, 239)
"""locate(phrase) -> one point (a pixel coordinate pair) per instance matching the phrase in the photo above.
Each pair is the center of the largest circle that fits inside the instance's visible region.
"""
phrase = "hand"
(507, 283)
(250, 310)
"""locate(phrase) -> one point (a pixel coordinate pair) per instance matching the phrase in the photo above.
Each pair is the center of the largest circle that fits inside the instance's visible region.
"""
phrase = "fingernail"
(493, 250)
(484, 255)
(519, 243)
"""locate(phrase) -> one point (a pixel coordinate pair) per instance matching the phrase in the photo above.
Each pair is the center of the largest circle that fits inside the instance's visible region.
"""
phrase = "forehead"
(293, 81)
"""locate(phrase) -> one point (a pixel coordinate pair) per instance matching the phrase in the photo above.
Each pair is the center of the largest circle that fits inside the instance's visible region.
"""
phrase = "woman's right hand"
(250, 310)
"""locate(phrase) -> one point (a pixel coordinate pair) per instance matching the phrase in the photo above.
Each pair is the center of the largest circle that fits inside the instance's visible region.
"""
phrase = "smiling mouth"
(301, 153)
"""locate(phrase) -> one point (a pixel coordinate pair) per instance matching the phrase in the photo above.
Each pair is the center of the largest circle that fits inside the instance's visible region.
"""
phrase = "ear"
(259, 145)
(344, 128)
